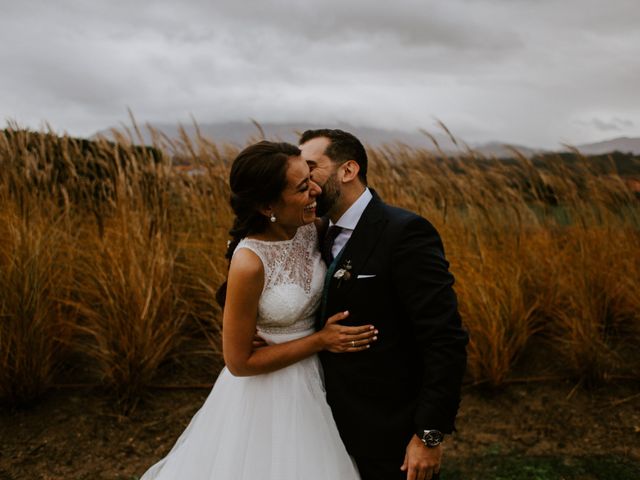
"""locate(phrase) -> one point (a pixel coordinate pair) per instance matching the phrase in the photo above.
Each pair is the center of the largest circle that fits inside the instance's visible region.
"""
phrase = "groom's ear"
(351, 170)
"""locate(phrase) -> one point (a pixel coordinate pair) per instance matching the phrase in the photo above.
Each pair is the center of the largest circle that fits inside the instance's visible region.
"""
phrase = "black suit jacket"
(410, 379)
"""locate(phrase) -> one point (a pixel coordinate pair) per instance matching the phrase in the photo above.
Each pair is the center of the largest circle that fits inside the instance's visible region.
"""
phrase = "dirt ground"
(74, 433)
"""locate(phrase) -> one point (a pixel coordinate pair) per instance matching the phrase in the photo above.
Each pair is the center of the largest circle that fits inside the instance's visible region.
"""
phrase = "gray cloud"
(519, 71)
(614, 124)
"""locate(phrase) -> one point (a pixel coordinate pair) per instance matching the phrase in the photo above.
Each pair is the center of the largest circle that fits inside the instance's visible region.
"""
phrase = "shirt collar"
(350, 218)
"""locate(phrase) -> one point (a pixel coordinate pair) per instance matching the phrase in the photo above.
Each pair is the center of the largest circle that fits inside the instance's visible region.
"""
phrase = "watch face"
(432, 438)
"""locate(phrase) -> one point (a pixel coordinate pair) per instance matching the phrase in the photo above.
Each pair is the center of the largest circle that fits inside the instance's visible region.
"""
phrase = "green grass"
(515, 467)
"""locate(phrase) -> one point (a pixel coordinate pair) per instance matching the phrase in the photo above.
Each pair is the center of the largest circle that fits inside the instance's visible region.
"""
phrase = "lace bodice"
(293, 279)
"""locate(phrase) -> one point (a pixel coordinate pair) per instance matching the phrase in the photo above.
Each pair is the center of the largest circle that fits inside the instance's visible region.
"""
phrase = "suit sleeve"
(424, 287)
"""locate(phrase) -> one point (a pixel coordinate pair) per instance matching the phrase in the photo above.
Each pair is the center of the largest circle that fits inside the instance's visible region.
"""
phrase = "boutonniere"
(343, 273)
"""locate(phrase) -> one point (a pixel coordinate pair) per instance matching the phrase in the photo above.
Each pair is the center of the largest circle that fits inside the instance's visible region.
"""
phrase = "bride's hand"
(337, 338)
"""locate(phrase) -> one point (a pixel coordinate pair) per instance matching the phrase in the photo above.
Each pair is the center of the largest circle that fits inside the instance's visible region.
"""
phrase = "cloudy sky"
(534, 72)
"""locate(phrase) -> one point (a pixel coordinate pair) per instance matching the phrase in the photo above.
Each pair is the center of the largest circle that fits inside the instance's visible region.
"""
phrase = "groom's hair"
(343, 146)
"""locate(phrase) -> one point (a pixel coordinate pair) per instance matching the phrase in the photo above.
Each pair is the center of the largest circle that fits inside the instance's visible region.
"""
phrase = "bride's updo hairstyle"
(258, 177)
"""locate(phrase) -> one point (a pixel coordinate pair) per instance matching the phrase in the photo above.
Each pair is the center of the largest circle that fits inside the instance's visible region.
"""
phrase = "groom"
(394, 402)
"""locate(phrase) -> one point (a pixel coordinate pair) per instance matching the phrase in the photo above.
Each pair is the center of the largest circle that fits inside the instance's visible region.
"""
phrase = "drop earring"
(272, 218)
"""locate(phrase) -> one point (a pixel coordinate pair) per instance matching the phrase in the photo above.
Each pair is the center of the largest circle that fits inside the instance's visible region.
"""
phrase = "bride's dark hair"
(258, 176)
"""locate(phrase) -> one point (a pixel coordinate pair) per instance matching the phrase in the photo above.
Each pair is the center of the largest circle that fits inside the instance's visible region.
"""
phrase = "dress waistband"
(272, 336)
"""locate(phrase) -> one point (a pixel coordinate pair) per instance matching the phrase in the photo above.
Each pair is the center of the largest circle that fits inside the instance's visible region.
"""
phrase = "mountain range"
(241, 133)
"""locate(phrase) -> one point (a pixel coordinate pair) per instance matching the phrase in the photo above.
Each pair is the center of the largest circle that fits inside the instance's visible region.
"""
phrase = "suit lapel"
(358, 249)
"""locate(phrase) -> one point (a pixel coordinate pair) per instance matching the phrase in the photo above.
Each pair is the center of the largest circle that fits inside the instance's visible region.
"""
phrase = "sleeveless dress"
(274, 426)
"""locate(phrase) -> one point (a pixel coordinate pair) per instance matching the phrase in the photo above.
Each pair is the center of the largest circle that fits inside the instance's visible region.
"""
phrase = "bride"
(266, 416)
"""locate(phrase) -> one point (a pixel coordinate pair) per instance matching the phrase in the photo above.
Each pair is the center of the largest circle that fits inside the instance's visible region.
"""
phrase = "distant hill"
(504, 150)
(621, 144)
(241, 133)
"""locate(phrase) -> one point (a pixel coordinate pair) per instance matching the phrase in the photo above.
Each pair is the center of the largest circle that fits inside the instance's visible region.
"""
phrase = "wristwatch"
(432, 438)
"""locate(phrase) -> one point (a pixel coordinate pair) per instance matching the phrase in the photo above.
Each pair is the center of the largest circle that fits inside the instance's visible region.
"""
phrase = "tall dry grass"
(112, 253)
(130, 274)
(537, 253)
(35, 325)
(593, 314)
(131, 313)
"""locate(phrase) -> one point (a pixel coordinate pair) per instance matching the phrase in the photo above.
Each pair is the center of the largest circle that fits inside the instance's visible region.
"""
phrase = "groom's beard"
(329, 196)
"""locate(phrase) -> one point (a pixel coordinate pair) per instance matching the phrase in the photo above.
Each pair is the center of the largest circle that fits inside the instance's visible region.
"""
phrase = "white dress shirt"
(349, 220)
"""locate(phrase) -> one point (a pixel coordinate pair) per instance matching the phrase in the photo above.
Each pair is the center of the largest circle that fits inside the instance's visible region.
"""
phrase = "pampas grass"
(112, 252)
(35, 325)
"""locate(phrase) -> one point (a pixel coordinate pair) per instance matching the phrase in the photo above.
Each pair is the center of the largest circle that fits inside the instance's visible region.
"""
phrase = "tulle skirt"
(276, 426)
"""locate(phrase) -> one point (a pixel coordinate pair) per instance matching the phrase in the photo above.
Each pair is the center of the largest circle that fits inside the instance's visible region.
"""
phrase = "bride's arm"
(244, 287)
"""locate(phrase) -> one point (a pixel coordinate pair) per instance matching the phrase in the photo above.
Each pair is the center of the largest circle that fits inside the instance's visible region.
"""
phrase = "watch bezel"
(432, 438)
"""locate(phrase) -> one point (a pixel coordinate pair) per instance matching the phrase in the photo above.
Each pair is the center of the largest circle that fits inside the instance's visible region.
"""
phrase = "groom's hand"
(421, 462)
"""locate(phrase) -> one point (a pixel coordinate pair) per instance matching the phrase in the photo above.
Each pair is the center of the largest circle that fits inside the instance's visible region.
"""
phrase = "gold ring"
(353, 343)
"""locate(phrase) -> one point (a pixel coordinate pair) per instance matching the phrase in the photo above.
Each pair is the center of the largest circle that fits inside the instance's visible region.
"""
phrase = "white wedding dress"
(275, 426)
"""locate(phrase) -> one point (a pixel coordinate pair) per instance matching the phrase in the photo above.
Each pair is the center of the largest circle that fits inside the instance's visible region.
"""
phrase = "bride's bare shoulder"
(246, 265)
